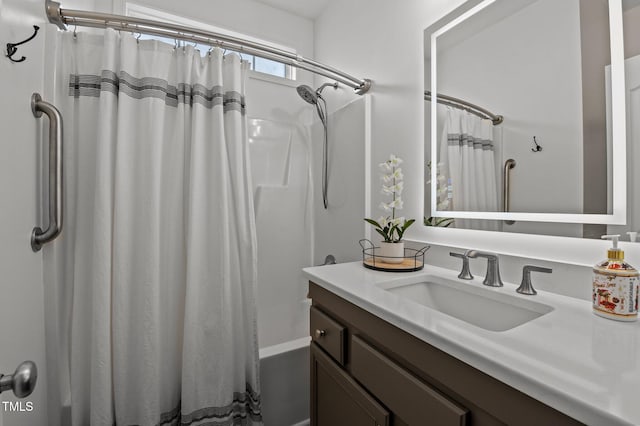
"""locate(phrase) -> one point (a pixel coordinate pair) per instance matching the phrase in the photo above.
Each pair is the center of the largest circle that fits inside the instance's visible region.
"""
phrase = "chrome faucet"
(525, 286)
(465, 274)
(492, 278)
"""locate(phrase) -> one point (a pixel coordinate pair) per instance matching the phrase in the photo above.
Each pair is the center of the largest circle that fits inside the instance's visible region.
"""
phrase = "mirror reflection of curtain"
(468, 165)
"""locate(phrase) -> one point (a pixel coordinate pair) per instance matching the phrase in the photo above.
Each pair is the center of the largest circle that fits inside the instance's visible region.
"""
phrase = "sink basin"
(483, 307)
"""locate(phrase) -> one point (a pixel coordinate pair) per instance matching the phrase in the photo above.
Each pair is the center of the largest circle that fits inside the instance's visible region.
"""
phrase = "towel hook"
(538, 148)
(12, 48)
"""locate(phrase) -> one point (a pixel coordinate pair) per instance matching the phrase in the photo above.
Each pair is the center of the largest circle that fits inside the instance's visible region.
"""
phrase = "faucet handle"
(465, 274)
(526, 287)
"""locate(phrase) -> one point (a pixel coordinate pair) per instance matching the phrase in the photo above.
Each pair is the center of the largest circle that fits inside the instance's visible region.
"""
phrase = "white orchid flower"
(397, 174)
(399, 221)
(386, 206)
(443, 205)
(396, 204)
(385, 167)
(383, 221)
(395, 161)
(393, 189)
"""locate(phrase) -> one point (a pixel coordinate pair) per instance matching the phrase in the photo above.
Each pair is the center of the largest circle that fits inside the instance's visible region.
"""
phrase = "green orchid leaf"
(373, 222)
(407, 224)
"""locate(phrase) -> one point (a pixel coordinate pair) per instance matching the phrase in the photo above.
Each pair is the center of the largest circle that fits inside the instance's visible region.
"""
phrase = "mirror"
(529, 124)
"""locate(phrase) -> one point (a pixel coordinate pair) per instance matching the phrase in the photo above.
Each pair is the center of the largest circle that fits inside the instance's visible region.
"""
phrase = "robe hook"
(12, 48)
(538, 148)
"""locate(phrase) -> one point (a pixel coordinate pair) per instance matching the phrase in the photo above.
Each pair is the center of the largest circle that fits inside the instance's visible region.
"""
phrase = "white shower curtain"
(468, 165)
(151, 286)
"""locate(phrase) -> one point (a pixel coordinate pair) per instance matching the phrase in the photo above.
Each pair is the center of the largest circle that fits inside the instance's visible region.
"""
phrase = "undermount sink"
(483, 307)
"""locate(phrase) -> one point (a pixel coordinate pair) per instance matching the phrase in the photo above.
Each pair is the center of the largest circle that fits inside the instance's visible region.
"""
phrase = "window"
(256, 63)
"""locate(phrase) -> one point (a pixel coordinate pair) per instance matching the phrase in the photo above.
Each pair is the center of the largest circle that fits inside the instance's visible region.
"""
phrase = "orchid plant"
(390, 227)
(442, 198)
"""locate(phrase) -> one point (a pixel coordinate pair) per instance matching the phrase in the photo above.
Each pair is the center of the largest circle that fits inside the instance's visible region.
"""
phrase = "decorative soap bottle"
(615, 286)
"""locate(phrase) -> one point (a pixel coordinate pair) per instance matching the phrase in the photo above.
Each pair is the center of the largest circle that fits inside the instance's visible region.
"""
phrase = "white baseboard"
(303, 423)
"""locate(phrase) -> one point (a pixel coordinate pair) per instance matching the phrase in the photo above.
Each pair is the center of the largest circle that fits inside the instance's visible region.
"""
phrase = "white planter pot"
(391, 252)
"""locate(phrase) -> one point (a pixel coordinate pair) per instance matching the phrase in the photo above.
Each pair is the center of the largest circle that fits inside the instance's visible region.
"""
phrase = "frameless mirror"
(528, 127)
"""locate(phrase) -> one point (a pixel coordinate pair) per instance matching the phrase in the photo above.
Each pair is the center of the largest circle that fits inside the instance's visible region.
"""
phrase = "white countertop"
(583, 365)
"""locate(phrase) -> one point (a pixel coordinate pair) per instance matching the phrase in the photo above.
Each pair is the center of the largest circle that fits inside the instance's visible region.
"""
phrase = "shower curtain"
(151, 285)
(468, 166)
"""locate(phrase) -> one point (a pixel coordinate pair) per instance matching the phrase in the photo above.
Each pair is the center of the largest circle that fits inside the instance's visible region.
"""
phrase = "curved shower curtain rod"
(63, 17)
(466, 106)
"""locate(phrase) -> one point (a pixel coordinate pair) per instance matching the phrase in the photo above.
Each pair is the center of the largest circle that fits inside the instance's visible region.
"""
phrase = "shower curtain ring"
(75, 32)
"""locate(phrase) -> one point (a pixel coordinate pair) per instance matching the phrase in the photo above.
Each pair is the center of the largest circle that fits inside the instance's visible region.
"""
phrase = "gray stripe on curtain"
(455, 139)
(244, 407)
(149, 87)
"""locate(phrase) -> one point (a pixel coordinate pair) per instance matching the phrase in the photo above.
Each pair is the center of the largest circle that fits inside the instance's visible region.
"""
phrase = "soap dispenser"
(615, 286)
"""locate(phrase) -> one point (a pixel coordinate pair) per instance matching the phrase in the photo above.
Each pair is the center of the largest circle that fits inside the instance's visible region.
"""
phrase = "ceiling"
(310, 9)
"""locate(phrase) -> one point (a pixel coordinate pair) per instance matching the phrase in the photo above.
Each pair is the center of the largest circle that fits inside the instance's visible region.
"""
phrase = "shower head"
(308, 94)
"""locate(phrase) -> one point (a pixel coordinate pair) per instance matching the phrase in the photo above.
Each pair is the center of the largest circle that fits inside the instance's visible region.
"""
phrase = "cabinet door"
(337, 400)
(410, 398)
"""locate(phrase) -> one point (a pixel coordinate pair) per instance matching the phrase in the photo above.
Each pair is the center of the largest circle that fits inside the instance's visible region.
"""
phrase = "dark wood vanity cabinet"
(365, 371)
(338, 398)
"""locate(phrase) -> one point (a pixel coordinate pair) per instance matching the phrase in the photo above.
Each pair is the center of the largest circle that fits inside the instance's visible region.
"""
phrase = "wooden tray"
(409, 264)
(413, 259)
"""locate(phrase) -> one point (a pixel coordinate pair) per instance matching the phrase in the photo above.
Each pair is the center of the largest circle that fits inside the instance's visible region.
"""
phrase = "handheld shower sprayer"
(313, 97)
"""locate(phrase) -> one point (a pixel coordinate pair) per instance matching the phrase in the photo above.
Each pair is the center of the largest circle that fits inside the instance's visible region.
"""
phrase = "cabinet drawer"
(328, 334)
(337, 399)
(405, 395)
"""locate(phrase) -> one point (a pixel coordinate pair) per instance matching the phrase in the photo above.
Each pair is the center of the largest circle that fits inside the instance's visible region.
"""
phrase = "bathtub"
(284, 380)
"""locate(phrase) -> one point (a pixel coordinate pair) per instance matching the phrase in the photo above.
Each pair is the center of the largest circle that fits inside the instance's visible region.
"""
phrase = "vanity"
(550, 158)
(423, 348)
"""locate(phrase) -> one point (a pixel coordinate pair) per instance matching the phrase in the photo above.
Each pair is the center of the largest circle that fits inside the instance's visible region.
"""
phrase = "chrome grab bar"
(38, 236)
(506, 187)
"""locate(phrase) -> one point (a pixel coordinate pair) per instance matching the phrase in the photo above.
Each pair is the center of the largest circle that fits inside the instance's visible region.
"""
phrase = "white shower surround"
(295, 231)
